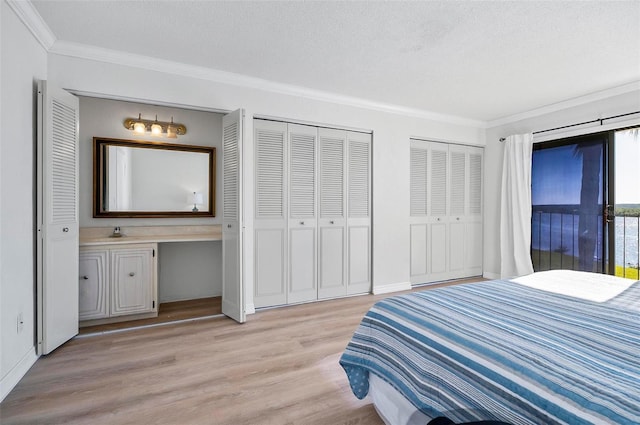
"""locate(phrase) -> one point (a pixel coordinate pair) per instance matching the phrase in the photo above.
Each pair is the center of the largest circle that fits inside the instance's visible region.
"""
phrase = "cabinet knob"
(132, 274)
(457, 218)
(331, 222)
(65, 229)
(85, 277)
(438, 218)
(302, 223)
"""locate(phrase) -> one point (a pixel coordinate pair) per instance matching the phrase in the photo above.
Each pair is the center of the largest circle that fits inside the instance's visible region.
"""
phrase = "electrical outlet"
(20, 323)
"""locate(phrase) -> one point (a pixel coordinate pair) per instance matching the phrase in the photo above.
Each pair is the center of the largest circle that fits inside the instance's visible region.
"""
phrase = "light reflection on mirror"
(152, 179)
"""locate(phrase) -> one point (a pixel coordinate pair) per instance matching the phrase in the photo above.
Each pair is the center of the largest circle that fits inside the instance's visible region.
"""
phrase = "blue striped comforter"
(499, 350)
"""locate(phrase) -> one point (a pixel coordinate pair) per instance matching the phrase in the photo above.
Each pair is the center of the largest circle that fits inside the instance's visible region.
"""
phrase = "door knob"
(65, 229)
(302, 223)
(85, 277)
(331, 222)
(228, 226)
(132, 274)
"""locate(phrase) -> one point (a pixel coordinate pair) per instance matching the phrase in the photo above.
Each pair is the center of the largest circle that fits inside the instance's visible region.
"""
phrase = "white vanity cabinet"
(117, 282)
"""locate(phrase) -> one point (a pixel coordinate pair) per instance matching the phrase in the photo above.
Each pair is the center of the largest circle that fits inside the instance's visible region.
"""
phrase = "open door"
(232, 281)
(57, 217)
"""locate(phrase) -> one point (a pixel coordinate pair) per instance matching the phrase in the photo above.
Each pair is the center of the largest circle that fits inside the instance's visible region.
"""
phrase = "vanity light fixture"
(196, 199)
(157, 128)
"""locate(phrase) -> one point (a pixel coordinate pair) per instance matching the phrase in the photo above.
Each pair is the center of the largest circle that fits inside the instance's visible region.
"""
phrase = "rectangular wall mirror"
(134, 178)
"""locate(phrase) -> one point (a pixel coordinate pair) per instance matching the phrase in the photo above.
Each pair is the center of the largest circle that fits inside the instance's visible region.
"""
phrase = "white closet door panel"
(418, 173)
(419, 252)
(438, 248)
(475, 182)
(232, 281)
(302, 171)
(359, 174)
(359, 266)
(302, 265)
(473, 248)
(332, 256)
(57, 217)
(302, 247)
(332, 173)
(269, 142)
(270, 284)
(93, 286)
(438, 180)
(457, 239)
(458, 182)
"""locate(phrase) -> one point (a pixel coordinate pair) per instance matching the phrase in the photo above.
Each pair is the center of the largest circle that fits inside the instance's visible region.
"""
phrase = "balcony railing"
(556, 236)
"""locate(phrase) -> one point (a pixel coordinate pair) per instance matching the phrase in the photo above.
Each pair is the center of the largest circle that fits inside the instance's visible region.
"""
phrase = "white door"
(331, 221)
(438, 219)
(418, 224)
(270, 223)
(302, 213)
(473, 243)
(57, 217)
(232, 281)
(359, 212)
(458, 205)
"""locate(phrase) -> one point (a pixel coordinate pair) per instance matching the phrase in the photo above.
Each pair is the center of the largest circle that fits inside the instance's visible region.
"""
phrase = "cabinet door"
(302, 213)
(359, 212)
(332, 222)
(93, 285)
(132, 281)
(270, 224)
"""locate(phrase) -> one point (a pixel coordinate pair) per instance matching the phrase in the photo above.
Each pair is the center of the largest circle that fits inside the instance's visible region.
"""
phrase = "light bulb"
(156, 129)
(139, 126)
(171, 130)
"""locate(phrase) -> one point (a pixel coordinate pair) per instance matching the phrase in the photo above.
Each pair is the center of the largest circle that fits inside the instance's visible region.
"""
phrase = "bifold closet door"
(418, 223)
(437, 212)
(302, 229)
(270, 225)
(359, 212)
(458, 178)
(473, 232)
(331, 220)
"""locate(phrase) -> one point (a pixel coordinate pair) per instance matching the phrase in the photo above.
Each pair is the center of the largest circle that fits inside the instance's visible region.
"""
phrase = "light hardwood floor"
(281, 367)
(167, 312)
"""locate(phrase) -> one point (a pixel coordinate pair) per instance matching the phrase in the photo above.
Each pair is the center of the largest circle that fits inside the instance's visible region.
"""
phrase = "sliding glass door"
(627, 203)
(576, 223)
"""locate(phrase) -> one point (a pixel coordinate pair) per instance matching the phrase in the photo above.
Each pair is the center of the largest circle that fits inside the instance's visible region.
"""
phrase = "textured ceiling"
(478, 60)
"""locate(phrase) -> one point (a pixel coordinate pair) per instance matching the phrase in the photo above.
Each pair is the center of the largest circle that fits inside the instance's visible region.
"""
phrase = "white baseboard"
(250, 308)
(11, 379)
(492, 276)
(393, 287)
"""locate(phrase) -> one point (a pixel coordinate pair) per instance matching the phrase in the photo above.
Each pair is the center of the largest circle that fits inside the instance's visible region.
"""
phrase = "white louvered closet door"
(418, 223)
(473, 232)
(331, 220)
(232, 282)
(270, 222)
(458, 178)
(58, 256)
(302, 213)
(359, 213)
(437, 212)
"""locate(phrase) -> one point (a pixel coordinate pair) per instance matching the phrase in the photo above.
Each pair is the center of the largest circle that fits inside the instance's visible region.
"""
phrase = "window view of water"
(558, 233)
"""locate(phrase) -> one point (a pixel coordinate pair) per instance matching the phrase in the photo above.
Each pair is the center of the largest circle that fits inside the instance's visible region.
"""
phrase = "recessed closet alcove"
(189, 274)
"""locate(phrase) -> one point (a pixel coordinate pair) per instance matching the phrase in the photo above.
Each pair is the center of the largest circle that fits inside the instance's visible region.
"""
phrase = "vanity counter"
(149, 234)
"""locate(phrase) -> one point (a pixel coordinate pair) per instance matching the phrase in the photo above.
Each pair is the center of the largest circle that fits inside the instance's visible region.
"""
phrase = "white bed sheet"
(393, 407)
(584, 285)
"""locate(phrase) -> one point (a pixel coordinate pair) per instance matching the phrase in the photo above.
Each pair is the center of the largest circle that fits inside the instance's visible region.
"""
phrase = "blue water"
(546, 235)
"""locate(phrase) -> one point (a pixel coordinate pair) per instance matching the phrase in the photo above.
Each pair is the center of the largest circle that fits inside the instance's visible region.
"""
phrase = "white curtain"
(515, 211)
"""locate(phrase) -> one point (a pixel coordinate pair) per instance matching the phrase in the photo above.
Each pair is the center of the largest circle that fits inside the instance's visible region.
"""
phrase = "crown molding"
(30, 17)
(571, 103)
(82, 51)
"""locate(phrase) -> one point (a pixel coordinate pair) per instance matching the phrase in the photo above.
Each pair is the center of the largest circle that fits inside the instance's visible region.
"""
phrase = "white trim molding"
(28, 14)
(392, 287)
(491, 276)
(11, 379)
(571, 103)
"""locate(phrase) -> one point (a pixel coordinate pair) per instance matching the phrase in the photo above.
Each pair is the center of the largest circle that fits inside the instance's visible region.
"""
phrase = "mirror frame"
(99, 163)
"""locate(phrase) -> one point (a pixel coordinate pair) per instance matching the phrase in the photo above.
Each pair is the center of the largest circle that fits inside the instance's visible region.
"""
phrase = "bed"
(555, 347)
